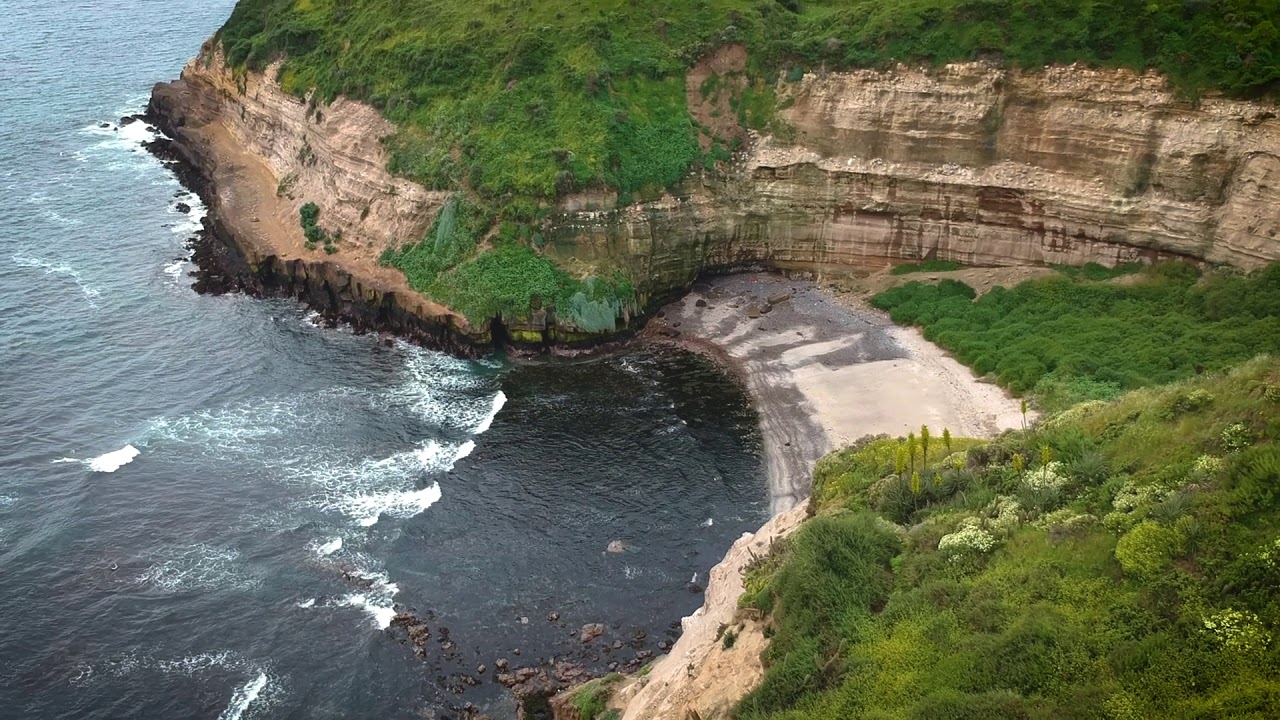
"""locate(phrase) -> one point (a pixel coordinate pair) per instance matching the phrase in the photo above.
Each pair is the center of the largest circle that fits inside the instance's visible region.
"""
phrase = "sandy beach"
(825, 371)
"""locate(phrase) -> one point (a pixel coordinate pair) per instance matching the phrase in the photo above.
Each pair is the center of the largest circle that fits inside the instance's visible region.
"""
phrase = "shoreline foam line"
(244, 697)
(499, 400)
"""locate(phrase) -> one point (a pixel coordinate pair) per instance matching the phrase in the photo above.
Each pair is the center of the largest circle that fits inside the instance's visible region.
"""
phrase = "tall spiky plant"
(924, 444)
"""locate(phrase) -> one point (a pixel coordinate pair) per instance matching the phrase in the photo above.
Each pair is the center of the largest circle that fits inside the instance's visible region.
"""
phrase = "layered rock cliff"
(969, 162)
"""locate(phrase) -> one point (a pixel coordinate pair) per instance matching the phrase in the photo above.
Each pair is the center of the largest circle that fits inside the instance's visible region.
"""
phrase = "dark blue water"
(210, 507)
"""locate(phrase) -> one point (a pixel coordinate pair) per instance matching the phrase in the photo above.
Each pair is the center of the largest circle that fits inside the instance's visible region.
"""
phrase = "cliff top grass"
(1119, 560)
(1068, 338)
(530, 99)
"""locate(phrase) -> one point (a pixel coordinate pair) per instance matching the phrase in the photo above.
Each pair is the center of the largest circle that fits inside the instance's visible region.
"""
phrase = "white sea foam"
(6, 501)
(498, 401)
(369, 507)
(199, 566)
(61, 270)
(113, 461)
(311, 319)
(244, 697)
(308, 603)
(330, 547)
(708, 522)
(175, 268)
(379, 608)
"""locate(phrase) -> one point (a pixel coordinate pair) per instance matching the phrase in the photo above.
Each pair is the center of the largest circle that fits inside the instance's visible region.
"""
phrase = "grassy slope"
(519, 101)
(1136, 577)
(1067, 339)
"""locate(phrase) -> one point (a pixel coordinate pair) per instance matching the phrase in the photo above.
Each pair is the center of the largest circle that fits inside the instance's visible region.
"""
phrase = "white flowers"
(1048, 477)
(969, 539)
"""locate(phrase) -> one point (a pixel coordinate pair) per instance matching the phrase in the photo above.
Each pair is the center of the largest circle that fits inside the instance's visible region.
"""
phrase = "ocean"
(212, 507)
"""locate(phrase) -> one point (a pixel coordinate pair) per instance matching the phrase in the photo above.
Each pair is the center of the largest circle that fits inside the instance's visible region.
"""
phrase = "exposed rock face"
(969, 162)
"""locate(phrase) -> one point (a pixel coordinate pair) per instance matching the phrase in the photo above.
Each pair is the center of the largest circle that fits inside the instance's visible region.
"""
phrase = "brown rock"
(777, 298)
(590, 632)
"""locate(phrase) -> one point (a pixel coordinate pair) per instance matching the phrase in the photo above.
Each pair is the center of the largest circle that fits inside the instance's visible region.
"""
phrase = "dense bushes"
(507, 278)
(1067, 340)
(1146, 587)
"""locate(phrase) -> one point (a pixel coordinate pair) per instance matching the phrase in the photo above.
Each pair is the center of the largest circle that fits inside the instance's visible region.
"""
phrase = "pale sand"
(825, 371)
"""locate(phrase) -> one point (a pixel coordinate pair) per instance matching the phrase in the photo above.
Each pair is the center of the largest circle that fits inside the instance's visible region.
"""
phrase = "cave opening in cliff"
(498, 331)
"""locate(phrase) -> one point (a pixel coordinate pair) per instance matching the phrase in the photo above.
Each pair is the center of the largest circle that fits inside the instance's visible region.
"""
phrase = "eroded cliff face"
(970, 163)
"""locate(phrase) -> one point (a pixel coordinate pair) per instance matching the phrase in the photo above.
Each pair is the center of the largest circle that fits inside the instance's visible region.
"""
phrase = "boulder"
(781, 297)
(590, 632)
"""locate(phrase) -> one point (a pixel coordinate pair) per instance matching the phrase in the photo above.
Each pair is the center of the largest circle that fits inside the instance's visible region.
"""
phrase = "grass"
(1068, 339)
(507, 278)
(592, 699)
(1132, 577)
(925, 266)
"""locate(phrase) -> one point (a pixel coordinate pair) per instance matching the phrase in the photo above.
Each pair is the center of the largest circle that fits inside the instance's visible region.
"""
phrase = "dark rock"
(500, 664)
(639, 635)
(701, 303)
(553, 616)
(766, 308)
(615, 645)
(664, 645)
(753, 312)
(675, 324)
(480, 670)
(104, 125)
(182, 208)
(695, 588)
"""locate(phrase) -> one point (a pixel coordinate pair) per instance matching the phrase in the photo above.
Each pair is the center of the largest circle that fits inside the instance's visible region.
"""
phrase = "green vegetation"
(925, 266)
(308, 218)
(1065, 340)
(508, 278)
(1120, 560)
(592, 700)
(1096, 272)
(539, 98)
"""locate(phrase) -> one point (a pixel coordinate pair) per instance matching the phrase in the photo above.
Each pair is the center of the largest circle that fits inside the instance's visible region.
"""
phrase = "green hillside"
(1121, 560)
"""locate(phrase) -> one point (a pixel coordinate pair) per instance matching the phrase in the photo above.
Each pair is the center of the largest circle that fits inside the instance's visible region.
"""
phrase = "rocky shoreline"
(225, 264)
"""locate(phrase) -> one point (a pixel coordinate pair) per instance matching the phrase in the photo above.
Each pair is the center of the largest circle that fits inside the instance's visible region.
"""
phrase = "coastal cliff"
(969, 162)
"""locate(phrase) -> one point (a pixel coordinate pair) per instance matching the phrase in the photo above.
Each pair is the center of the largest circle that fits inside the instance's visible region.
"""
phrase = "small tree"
(900, 460)
(915, 482)
(946, 439)
(1024, 413)
(1018, 463)
(1046, 455)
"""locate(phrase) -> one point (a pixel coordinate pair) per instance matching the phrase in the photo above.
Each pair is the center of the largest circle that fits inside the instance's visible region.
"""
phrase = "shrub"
(1146, 550)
